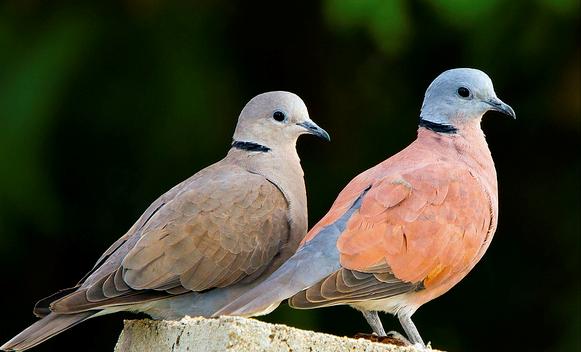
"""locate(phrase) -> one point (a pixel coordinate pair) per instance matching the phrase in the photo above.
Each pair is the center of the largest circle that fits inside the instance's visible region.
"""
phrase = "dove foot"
(396, 336)
(422, 347)
(397, 340)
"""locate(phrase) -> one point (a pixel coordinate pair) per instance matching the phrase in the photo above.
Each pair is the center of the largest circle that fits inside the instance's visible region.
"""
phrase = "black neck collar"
(250, 146)
(438, 127)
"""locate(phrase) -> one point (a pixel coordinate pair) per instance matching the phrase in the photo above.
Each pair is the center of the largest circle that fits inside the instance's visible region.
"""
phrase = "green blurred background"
(106, 105)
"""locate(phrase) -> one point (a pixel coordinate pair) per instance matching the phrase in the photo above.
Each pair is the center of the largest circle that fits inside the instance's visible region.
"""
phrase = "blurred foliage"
(105, 105)
(386, 21)
(29, 92)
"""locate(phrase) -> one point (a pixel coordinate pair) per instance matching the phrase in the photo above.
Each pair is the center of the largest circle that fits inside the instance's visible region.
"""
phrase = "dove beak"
(315, 130)
(500, 106)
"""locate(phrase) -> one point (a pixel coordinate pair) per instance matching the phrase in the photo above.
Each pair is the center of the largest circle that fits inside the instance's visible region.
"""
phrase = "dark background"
(105, 106)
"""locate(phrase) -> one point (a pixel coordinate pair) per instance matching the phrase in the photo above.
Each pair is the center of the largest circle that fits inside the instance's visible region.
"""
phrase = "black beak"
(315, 130)
(500, 106)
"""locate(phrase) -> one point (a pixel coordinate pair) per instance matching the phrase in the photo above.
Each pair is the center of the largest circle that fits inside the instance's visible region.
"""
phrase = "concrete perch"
(235, 334)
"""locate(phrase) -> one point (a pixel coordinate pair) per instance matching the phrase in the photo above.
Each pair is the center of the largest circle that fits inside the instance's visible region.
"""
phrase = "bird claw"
(423, 348)
(391, 338)
(397, 336)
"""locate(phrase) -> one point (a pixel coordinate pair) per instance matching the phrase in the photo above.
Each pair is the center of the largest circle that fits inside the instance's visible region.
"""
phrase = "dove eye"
(464, 92)
(279, 116)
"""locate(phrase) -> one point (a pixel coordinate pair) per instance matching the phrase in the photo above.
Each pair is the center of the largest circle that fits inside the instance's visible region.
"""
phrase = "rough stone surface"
(235, 334)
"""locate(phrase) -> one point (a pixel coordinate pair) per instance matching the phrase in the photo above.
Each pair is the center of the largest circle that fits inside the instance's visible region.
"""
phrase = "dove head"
(460, 97)
(275, 120)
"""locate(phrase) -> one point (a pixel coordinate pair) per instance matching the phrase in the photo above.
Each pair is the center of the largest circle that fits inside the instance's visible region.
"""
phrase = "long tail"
(313, 262)
(309, 265)
(44, 329)
(265, 297)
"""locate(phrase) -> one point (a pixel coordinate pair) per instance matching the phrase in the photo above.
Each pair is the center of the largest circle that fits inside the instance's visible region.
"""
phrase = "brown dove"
(208, 239)
(407, 230)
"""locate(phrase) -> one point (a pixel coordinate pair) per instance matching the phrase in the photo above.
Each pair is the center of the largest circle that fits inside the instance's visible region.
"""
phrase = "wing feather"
(415, 227)
(220, 230)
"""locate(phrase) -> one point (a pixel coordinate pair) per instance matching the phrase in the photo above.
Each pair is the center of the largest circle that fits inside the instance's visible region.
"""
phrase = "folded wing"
(221, 229)
(415, 228)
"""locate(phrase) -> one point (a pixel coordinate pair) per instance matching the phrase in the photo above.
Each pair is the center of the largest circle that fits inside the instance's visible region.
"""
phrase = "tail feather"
(265, 297)
(313, 262)
(44, 329)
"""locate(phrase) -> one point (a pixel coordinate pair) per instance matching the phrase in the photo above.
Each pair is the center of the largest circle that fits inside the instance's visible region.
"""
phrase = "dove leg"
(410, 329)
(373, 320)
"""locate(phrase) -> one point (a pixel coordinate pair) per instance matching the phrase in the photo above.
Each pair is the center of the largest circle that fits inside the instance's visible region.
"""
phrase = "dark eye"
(279, 116)
(463, 92)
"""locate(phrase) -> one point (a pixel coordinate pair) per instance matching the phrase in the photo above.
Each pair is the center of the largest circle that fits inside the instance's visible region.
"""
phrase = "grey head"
(460, 96)
(275, 120)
